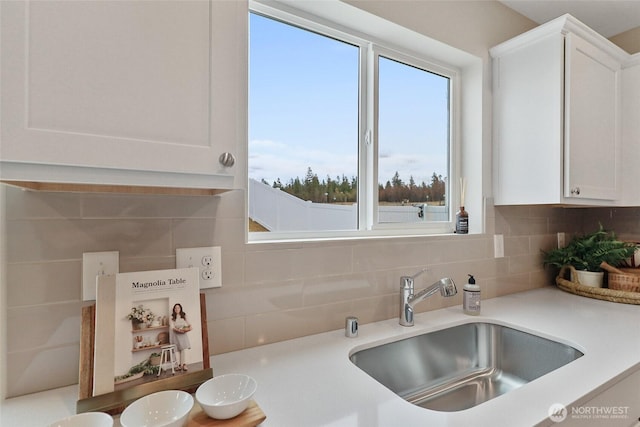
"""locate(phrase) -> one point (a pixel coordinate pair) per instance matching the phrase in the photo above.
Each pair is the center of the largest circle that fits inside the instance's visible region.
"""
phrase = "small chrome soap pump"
(351, 327)
(471, 297)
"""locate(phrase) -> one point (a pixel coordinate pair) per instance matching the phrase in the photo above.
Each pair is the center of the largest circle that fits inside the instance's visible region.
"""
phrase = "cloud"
(266, 143)
(271, 160)
(420, 167)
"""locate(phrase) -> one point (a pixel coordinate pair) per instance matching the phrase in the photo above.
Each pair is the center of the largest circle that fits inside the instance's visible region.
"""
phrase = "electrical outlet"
(498, 246)
(97, 264)
(561, 241)
(207, 259)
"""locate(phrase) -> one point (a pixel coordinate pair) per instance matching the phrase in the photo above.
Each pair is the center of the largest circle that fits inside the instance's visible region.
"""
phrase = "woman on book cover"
(179, 328)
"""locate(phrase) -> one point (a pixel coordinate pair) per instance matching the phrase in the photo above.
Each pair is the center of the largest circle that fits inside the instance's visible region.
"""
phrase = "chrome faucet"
(408, 299)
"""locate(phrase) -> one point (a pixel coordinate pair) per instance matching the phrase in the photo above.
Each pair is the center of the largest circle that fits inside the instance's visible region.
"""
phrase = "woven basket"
(629, 281)
(605, 294)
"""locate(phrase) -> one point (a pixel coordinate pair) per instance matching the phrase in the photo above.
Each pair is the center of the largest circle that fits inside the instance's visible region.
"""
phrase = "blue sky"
(304, 109)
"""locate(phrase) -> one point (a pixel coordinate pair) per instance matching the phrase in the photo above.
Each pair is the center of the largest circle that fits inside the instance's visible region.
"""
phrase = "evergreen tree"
(345, 190)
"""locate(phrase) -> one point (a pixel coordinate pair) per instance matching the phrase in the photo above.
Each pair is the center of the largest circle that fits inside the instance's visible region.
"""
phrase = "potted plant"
(154, 359)
(146, 367)
(140, 317)
(586, 252)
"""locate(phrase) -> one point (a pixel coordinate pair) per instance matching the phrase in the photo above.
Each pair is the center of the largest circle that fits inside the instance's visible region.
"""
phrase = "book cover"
(148, 327)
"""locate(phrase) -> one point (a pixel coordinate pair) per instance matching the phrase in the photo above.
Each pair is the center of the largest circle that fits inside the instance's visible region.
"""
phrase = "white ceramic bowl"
(86, 419)
(169, 408)
(226, 396)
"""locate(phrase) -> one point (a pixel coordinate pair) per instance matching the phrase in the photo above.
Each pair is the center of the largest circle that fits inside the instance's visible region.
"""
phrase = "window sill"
(270, 238)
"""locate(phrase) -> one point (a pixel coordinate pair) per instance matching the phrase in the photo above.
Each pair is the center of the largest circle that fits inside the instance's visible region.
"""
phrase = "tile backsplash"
(271, 292)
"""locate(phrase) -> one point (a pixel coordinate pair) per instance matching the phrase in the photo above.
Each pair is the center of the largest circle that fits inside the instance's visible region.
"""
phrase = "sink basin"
(462, 366)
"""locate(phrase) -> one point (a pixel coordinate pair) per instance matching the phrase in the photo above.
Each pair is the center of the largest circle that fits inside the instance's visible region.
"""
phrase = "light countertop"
(310, 381)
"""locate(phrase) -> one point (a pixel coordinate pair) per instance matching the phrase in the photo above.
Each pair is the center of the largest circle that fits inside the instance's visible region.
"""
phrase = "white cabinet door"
(592, 122)
(631, 133)
(120, 92)
(557, 117)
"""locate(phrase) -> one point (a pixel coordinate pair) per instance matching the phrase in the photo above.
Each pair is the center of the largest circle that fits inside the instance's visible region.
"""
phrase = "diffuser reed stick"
(462, 217)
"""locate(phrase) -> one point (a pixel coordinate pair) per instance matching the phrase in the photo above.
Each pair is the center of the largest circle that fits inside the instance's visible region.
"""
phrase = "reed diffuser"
(462, 216)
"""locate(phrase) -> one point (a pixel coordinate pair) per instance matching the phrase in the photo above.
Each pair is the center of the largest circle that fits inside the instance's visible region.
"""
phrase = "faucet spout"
(408, 300)
(445, 285)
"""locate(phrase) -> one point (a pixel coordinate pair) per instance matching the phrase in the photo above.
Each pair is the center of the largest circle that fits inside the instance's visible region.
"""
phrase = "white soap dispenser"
(471, 297)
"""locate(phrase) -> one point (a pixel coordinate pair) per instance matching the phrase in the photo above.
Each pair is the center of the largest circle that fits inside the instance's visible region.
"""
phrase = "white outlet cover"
(95, 264)
(199, 257)
(498, 246)
(561, 240)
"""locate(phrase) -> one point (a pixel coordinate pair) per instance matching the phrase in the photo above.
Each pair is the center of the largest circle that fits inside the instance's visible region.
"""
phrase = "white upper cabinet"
(557, 117)
(592, 145)
(631, 132)
(122, 92)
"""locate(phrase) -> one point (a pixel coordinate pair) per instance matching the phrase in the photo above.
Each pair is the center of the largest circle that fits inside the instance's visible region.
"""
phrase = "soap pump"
(471, 297)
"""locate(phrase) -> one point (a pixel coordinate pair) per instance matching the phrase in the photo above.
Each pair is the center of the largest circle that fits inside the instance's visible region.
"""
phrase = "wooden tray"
(604, 294)
(251, 417)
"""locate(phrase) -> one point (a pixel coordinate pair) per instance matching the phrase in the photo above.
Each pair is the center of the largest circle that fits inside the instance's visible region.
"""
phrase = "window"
(413, 143)
(347, 136)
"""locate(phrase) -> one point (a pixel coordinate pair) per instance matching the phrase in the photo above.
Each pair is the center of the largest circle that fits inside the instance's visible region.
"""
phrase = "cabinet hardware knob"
(575, 191)
(227, 159)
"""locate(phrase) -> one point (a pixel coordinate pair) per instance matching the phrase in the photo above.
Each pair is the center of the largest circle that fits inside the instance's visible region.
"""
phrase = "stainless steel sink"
(462, 366)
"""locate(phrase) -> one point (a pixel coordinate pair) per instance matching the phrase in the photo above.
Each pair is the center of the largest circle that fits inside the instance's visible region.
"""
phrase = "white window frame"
(453, 150)
(371, 47)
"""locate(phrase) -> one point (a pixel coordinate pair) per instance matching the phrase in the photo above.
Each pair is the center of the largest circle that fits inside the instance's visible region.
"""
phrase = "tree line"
(343, 190)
